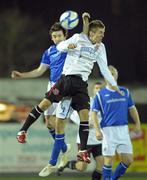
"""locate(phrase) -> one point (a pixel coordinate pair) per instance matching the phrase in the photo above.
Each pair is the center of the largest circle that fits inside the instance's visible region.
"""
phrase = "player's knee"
(81, 166)
(44, 104)
(48, 124)
(128, 161)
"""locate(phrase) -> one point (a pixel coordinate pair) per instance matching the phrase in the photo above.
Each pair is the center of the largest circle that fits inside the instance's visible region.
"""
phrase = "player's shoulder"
(49, 49)
(102, 91)
(76, 35)
(124, 89)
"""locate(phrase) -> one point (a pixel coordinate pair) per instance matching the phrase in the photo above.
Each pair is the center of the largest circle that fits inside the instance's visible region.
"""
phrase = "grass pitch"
(64, 178)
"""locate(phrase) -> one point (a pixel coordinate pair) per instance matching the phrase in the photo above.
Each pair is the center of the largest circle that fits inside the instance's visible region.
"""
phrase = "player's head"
(57, 33)
(97, 87)
(96, 31)
(113, 71)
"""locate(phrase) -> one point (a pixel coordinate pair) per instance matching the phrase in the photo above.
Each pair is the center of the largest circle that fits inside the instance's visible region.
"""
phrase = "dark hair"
(57, 27)
(96, 24)
(98, 83)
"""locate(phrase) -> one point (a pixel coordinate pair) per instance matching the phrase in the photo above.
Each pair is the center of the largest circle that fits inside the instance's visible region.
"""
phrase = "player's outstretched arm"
(85, 17)
(31, 74)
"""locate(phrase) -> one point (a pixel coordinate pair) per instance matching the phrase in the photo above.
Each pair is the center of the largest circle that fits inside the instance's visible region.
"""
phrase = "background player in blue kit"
(114, 123)
(51, 59)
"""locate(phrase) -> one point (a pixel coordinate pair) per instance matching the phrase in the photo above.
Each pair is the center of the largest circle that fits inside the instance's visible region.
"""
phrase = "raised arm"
(102, 63)
(85, 17)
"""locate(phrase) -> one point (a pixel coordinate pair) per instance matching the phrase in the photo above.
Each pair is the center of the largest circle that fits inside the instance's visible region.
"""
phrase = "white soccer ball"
(69, 19)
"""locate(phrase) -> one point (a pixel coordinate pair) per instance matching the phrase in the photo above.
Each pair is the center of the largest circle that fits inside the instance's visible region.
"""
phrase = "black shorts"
(95, 150)
(72, 86)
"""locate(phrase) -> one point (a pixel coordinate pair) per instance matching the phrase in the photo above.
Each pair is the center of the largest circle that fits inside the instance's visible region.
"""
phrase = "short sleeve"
(45, 58)
(96, 104)
(130, 100)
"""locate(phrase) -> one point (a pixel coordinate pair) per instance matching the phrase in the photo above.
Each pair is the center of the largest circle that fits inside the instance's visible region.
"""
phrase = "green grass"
(64, 178)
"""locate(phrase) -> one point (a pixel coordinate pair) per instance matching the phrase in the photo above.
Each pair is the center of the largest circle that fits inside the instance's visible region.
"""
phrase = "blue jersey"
(113, 106)
(55, 60)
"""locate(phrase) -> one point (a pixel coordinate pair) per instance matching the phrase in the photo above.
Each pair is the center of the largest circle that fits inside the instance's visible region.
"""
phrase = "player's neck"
(109, 87)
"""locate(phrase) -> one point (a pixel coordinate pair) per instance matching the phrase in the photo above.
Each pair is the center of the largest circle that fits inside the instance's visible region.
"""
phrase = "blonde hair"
(113, 70)
(96, 24)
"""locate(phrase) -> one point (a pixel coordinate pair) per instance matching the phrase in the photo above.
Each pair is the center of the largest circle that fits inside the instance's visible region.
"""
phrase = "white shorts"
(52, 109)
(92, 140)
(64, 110)
(116, 139)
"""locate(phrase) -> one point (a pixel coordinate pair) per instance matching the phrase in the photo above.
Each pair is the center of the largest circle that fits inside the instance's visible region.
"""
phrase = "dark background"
(24, 26)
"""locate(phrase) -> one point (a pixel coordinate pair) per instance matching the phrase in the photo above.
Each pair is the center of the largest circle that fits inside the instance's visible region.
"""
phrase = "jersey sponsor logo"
(123, 93)
(55, 91)
(116, 100)
(106, 95)
(88, 52)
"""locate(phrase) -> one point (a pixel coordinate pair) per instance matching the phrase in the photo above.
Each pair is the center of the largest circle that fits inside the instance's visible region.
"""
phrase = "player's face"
(58, 36)
(96, 88)
(96, 35)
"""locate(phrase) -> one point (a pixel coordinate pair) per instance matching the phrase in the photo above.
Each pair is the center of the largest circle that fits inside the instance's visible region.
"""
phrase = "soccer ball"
(69, 19)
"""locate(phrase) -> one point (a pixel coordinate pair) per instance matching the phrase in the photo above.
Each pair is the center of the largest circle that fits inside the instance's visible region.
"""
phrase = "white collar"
(110, 89)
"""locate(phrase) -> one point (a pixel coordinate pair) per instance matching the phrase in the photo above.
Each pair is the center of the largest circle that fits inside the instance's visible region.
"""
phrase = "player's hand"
(99, 135)
(72, 46)
(15, 75)
(116, 88)
(85, 15)
(137, 128)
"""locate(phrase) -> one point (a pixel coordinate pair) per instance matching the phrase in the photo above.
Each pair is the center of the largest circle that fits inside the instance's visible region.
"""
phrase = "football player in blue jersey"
(51, 59)
(114, 130)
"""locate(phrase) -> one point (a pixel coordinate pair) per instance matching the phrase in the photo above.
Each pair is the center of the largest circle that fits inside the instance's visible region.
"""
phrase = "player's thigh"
(59, 90)
(63, 108)
(84, 114)
(111, 140)
(81, 102)
(99, 162)
(97, 155)
(126, 158)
